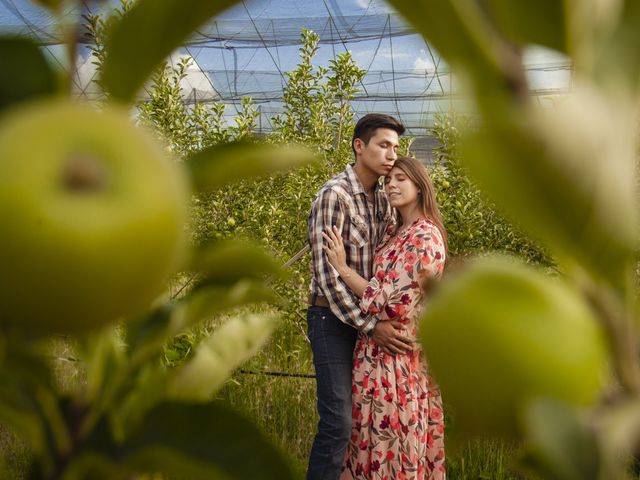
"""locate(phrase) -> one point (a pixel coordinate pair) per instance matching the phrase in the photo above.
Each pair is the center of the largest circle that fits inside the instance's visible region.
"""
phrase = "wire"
(341, 39)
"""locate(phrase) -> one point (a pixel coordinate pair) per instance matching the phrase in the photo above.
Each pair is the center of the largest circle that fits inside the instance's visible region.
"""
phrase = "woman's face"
(401, 191)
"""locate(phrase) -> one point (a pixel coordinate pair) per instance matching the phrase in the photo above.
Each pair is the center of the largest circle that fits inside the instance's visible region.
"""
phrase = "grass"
(284, 407)
(15, 456)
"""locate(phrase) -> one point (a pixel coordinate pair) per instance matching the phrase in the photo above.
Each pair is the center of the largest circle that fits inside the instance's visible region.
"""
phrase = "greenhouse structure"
(248, 50)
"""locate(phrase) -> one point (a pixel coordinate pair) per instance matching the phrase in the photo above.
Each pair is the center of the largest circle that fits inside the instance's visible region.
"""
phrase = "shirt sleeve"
(328, 210)
(421, 256)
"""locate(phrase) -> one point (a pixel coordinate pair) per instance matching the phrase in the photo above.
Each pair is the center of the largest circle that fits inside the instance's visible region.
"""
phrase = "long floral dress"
(398, 423)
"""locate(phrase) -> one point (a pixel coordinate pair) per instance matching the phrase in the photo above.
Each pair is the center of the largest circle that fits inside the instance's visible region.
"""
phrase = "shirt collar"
(354, 182)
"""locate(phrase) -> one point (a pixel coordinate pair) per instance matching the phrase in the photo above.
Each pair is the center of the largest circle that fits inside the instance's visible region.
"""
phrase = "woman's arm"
(334, 247)
(421, 255)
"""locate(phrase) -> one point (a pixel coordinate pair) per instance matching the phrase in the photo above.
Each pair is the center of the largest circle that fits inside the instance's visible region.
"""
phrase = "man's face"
(380, 153)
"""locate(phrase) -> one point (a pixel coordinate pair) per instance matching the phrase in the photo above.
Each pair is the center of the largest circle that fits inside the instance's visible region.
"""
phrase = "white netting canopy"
(247, 50)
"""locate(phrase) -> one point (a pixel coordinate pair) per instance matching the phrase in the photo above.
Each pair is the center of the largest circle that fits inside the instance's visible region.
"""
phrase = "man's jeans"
(332, 342)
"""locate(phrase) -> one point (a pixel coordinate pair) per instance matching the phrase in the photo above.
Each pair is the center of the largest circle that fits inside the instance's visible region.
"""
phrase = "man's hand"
(388, 334)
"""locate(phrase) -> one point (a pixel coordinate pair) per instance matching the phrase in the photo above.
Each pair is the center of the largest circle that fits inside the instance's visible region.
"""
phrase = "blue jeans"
(332, 343)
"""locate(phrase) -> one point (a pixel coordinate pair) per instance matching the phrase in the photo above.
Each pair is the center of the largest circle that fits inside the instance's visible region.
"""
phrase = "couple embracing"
(372, 249)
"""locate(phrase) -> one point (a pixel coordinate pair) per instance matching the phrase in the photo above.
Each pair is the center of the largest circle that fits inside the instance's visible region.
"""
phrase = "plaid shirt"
(343, 202)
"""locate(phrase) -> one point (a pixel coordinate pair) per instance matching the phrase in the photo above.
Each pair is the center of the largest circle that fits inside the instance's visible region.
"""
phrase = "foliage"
(566, 175)
(133, 376)
(133, 415)
(274, 210)
(317, 109)
(473, 223)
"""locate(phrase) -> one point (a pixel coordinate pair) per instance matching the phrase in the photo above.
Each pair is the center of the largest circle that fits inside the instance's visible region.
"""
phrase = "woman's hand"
(334, 248)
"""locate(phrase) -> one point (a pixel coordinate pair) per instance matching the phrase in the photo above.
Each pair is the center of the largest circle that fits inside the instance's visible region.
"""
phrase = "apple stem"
(84, 174)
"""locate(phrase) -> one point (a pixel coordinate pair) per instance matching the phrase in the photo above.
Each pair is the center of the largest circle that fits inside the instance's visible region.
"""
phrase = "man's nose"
(392, 154)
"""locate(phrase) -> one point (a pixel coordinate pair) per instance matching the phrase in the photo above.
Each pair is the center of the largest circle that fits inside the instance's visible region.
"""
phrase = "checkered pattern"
(343, 202)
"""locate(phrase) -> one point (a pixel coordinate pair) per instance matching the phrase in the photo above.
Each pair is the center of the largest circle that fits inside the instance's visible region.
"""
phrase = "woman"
(398, 424)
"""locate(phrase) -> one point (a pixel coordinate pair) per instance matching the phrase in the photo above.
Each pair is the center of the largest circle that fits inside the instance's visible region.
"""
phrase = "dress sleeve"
(421, 255)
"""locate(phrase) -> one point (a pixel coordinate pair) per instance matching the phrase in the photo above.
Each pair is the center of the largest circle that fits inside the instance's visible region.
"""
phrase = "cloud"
(375, 6)
(423, 64)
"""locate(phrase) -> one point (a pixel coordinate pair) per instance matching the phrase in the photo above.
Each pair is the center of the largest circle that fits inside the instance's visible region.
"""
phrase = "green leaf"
(207, 300)
(216, 357)
(216, 166)
(96, 466)
(617, 62)
(228, 261)
(146, 35)
(25, 72)
(559, 443)
(148, 389)
(618, 432)
(203, 441)
(526, 21)
(28, 403)
(18, 412)
(104, 354)
(50, 4)
(146, 336)
(566, 175)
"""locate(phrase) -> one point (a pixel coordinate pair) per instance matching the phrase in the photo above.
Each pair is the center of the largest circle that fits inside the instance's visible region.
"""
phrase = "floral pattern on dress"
(398, 422)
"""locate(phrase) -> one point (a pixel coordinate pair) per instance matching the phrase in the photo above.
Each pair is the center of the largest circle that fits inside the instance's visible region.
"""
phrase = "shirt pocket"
(359, 233)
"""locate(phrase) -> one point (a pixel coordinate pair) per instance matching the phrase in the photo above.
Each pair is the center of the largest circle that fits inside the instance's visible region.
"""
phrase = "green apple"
(501, 334)
(92, 215)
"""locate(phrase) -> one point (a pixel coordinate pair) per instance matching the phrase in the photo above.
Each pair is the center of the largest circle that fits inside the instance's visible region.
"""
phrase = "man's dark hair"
(367, 126)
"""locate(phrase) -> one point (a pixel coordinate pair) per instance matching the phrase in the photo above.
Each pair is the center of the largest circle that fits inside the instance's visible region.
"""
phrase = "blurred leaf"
(218, 165)
(559, 443)
(202, 441)
(462, 33)
(146, 35)
(228, 261)
(95, 466)
(104, 354)
(618, 430)
(617, 60)
(26, 396)
(513, 338)
(526, 21)
(207, 300)
(216, 357)
(147, 335)
(18, 412)
(566, 175)
(50, 4)
(25, 72)
(148, 389)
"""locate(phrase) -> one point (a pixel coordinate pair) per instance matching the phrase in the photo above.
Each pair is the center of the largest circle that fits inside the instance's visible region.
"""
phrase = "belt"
(316, 300)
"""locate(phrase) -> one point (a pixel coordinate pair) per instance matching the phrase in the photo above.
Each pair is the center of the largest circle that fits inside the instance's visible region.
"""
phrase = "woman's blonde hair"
(419, 175)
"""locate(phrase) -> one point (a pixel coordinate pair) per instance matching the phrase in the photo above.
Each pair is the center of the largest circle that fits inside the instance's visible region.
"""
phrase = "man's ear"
(358, 144)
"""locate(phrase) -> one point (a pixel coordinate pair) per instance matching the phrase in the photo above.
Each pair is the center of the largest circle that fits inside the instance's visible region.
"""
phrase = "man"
(354, 202)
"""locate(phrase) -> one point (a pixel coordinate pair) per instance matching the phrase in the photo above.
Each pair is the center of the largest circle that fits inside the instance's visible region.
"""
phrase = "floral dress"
(398, 423)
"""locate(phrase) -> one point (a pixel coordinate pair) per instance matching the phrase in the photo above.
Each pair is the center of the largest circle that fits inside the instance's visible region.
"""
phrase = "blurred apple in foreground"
(92, 217)
(502, 334)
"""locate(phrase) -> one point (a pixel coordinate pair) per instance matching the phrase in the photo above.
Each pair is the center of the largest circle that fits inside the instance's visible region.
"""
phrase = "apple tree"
(93, 214)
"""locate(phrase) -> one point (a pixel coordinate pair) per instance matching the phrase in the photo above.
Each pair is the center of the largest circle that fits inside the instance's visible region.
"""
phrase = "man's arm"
(327, 211)
(387, 334)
